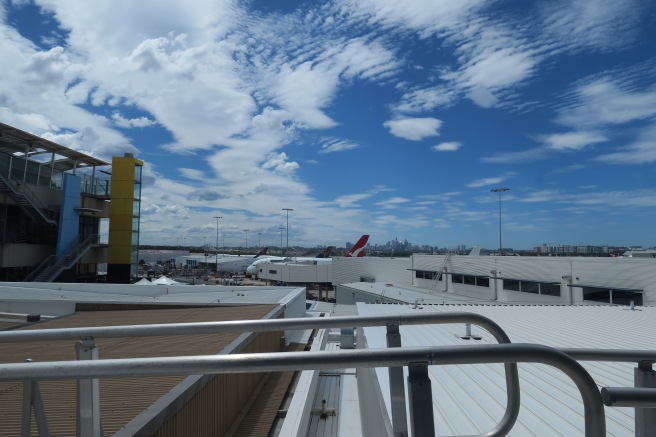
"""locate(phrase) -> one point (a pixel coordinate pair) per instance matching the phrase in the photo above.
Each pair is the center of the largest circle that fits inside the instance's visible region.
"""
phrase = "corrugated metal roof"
(121, 399)
(410, 294)
(470, 399)
(15, 141)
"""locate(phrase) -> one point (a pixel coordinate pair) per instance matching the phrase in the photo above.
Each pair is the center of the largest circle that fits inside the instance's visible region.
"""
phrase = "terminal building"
(52, 202)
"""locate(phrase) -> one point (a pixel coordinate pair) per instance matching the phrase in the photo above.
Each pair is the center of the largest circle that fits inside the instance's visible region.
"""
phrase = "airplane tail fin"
(326, 252)
(262, 252)
(476, 251)
(358, 249)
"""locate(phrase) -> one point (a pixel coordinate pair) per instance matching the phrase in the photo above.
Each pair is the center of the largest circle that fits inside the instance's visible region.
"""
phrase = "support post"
(88, 394)
(397, 386)
(421, 400)
(645, 418)
(32, 400)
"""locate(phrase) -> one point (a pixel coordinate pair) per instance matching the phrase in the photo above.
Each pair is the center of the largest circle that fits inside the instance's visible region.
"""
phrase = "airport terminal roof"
(470, 399)
(61, 298)
(16, 142)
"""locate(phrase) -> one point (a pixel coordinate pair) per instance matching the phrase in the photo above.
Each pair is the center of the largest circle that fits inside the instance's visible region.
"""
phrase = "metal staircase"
(25, 200)
(440, 272)
(52, 267)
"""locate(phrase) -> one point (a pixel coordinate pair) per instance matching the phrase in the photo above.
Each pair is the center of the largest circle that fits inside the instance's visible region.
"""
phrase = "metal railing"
(416, 358)
(52, 266)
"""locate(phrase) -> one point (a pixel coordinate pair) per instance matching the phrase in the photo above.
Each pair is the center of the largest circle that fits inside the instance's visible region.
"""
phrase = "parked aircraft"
(323, 258)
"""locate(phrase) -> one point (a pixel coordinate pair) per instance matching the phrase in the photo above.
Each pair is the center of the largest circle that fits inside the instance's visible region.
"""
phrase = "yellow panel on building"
(124, 211)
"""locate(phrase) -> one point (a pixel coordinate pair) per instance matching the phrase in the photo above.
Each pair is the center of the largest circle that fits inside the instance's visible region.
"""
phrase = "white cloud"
(523, 156)
(133, 122)
(424, 16)
(332, 145)
(482, 97)
(425, 99)
(572, 141)
(489, 181)
(194, 174)
(414, 129)
(278, 162)
(640, 151)
(447, 147)
(603, 101)
(598, 24)
(393, 202)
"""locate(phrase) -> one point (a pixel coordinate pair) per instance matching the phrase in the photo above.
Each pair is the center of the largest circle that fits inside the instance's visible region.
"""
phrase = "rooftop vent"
(468, 333)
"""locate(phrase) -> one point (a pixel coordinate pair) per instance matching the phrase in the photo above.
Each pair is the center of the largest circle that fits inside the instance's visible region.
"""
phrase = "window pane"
(469, 280)
(625, 298)
(596, 294)
(550, 289)
(483, 281)
(32, 176)
(509, 284)
(44, 176)
(530, 287)
(456, 278)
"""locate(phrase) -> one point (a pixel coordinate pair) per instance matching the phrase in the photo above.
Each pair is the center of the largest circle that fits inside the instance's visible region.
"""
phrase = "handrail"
(57, 263)
(512, 376)
(615, 355)
(594, 417)
(166, 329)
(47, 263)
(637, 397)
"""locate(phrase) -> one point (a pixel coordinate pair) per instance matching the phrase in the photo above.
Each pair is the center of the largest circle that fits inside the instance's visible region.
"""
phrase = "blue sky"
(389, 117)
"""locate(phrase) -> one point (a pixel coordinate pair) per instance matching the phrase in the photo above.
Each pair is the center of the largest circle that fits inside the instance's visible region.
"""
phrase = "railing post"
(645, 418)
(32, 400)
(421, 400)
(88, 394)
(397, 386)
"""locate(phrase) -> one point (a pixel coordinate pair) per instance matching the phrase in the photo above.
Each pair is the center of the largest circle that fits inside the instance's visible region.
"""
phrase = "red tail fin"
(358, 249)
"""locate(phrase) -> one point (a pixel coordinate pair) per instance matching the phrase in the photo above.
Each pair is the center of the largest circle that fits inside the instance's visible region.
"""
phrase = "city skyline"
(394, 118)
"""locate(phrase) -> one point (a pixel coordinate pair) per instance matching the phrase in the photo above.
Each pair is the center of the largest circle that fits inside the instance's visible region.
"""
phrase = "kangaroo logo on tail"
(358, 249)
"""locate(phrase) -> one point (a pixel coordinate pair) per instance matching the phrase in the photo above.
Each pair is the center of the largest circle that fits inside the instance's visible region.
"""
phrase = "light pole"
(246, 230)
(281, 228)
(216, 258)
(500, 190)
(259, 239)
(287, 209)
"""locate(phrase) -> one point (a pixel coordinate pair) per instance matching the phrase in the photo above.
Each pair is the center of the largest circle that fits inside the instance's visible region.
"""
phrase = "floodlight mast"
(217, 243)
(287, 210)
(500, 190)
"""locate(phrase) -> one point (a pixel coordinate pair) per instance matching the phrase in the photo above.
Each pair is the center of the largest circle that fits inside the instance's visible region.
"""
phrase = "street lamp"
(281, 228)
(217, 243)
(500, 190)
(259, 239)
(287, 209)
(246, 230)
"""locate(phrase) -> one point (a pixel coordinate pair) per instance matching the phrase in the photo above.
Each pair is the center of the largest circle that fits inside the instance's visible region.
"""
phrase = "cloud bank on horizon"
(393, 118)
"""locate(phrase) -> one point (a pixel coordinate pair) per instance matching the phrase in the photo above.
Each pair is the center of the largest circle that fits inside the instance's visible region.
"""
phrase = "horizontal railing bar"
(637, 397)
(616, 355)
(252, 326)
(286, 361)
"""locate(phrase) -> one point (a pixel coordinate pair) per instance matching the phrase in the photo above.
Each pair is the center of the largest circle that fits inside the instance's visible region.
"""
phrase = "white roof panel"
(471, 398)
